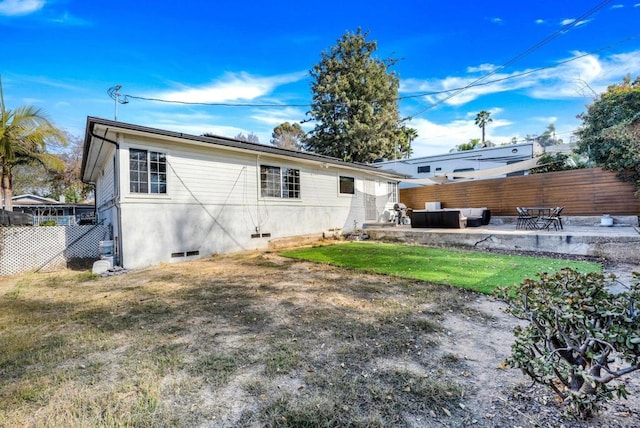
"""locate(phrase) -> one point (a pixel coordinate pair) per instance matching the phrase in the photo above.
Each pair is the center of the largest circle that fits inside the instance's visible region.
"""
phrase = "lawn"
(477, 271)
(258, 340)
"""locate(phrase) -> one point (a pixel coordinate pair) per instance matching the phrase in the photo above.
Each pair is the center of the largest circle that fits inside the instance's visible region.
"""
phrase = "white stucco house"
(168, 196)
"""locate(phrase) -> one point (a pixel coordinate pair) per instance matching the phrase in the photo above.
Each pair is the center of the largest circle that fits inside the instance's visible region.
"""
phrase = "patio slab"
(620, 243)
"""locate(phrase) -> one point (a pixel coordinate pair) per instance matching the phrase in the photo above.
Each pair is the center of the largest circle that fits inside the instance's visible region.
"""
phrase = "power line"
(521, 55)
(476, 83)
(212, 104)
(525, 73)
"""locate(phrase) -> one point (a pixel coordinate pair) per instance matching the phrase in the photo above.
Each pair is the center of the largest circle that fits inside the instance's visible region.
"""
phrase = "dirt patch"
(259, 340)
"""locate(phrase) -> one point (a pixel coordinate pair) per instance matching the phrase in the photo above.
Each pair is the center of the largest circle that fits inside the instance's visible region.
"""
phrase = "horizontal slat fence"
(582, 192)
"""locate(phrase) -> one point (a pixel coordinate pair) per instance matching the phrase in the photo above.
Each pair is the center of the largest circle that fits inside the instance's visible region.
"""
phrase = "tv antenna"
(115, 96)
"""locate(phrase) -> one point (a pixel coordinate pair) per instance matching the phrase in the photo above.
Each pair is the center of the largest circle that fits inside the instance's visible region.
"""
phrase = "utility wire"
(525, 73)
(404, 97)
(456, 91)
(521, 55)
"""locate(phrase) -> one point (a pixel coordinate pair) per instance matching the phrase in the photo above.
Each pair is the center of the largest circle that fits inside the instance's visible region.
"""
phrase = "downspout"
(116, 197)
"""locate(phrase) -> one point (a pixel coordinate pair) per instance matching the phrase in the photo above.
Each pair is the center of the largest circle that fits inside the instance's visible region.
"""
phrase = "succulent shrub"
(580, 337)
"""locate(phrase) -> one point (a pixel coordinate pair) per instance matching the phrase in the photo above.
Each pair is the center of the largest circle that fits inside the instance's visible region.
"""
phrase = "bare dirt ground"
(258, 340)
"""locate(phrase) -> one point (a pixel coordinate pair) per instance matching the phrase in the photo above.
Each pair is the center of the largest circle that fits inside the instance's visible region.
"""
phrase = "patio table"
(542, 211)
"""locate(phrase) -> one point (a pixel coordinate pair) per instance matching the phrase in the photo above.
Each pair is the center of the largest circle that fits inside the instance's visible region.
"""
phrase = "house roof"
(105, 127)
(30, 200)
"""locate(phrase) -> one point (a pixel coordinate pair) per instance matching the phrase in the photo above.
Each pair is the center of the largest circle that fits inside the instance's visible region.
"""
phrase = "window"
(422, 169)
(276, 182)
(347, 185)
(392, 190)
(147, 172)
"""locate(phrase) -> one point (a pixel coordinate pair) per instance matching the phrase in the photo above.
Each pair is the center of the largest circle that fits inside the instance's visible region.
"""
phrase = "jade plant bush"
(580, 338)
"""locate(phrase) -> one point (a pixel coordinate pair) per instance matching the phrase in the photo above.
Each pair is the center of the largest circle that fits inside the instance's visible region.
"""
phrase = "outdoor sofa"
(450, 218)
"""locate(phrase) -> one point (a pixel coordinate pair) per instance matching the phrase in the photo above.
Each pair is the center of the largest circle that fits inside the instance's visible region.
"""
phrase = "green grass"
(476, 271)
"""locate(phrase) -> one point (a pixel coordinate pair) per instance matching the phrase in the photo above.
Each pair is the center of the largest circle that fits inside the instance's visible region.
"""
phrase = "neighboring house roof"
(29, 199)
(486, 154)
(104, 126)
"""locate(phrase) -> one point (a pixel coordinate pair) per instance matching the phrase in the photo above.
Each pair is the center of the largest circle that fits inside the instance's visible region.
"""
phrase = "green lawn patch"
(482, 272)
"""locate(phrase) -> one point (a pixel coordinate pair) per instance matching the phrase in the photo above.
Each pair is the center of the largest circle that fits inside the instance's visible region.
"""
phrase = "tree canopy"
(355, 104)
(482, 119)
(288, 136)
(24, 134)
(610, 131)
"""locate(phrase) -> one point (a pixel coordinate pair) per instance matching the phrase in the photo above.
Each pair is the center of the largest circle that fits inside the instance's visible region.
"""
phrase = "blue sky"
(63, 56)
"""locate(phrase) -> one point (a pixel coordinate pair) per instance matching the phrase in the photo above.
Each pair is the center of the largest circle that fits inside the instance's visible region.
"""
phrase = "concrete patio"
(580, 236)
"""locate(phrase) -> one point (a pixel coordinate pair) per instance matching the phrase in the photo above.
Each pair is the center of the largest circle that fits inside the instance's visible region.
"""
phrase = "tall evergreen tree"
(355, 104)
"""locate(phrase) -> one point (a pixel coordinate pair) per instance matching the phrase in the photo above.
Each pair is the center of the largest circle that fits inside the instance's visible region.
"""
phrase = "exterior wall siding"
(213, 204)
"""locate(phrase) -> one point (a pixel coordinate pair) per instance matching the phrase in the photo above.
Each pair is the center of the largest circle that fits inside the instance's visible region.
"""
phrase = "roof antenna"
(115, 95)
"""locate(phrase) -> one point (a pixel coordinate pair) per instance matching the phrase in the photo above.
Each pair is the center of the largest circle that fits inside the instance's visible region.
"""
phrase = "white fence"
(47, 248)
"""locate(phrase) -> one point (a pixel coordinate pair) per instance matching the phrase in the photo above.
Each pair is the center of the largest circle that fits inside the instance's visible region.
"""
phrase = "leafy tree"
(249, 138)
(579, 338)
(551, 162)
(482, 119)
(472, 144)
(408, 135)
(355, 104)
(288, 136)
(66, 182)
(610, 135)
(24, 134)
(548, 137)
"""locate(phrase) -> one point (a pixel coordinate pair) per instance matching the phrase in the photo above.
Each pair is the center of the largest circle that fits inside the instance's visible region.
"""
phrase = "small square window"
(347, 185)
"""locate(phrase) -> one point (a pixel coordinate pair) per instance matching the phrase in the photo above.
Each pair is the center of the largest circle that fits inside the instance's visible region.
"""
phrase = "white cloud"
(435, 139)
(274, 117)
(568, 80)
(68, 19)
(546, 119)
(20, 7)
(496, 20)
(617, 6)
(482, 68)
(539, 21)
(232, 87)
(572, 20)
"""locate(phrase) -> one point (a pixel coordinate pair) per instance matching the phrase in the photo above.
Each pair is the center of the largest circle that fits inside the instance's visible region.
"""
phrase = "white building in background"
(465, 163)
(168, 196)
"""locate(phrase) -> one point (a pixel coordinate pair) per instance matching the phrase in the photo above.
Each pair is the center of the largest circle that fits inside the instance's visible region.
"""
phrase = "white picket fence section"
(48, 248)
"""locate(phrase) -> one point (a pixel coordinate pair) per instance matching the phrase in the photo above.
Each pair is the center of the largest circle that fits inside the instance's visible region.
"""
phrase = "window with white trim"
(277, 182)
(392, 191)
(147, 171)
(347, 185)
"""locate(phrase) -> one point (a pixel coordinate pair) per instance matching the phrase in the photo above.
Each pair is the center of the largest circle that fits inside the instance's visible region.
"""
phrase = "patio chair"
(525, 220)
(553, 219)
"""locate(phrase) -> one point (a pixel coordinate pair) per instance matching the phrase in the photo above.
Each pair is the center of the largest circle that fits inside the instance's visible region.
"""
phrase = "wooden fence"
(582, 192)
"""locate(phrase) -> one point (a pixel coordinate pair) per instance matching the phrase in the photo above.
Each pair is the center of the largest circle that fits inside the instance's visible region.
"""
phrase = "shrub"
(48, 223)
(580, 337)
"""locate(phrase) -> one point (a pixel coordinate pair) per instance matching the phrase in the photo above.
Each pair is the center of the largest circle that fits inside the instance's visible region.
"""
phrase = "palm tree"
(24, 133)
(482, 119)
